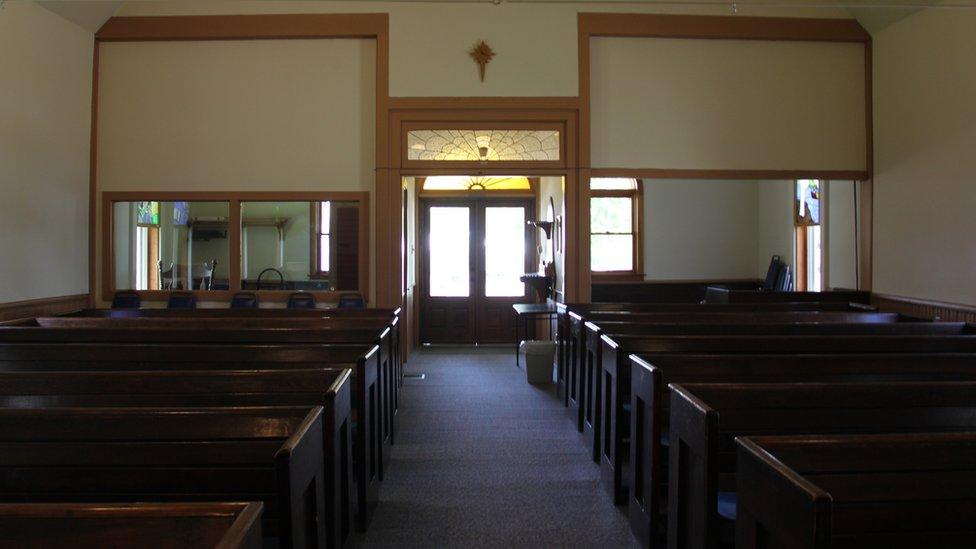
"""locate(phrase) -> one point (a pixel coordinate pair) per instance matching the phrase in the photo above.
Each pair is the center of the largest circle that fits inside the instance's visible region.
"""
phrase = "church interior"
(487, 273)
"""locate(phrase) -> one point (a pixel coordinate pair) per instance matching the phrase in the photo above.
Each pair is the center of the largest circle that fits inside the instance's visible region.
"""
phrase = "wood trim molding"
(949, 312)
(243, 27)
(656, 173)
(48, 306)
(723, 27)
(409, 112)
(251, 27)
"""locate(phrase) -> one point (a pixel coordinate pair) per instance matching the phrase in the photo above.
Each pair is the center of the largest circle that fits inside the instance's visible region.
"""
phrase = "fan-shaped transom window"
(476, 183)
(503, 145)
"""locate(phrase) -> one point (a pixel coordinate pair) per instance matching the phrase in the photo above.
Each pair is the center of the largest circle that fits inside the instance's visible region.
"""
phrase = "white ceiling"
(89, 14)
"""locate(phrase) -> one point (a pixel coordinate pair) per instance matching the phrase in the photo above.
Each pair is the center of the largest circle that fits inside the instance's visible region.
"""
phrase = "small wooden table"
(527, 311)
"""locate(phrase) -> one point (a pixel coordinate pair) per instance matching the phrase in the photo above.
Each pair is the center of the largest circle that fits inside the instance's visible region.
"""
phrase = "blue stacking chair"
(244, 300)
(181, 300)
(352, 301)
(301, 300)
(126, 299)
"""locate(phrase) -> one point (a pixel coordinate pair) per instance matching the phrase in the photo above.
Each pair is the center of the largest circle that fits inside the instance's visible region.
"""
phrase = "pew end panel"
(593, 381)
(613, 401)
(339, 480)
(575, 380)
(692, 434)
(799, 516)
(301, 481)
(645, 506)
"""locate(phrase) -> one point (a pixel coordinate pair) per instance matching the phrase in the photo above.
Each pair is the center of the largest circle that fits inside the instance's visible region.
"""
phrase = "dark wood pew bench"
(590, 373)
(892, 491)
(571, 331)
(131, 526)
(649, 424)
(382, 331)
(128, 455)
(383, 313)
(363, 360)
(588, 379)
(729, 295)
(706, 418)
(325, 387)
(568, 349)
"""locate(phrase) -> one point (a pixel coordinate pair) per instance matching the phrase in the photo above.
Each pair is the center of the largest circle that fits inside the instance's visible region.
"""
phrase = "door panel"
(447, 311)
(473, 253)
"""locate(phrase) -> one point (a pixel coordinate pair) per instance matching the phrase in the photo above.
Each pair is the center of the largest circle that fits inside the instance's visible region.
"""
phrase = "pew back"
(131, 526)
(705, 418)
(207, 454)
(896, 491)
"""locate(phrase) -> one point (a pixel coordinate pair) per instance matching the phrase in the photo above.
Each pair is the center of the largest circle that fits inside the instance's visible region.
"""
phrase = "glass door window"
(504, 251)
(450, 240)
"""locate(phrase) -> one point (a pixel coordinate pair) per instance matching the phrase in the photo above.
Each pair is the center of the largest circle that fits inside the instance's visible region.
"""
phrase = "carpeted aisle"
(485, 459)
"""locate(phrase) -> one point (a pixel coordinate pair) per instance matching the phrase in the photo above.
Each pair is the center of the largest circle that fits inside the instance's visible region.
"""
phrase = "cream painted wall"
(45, 115)
(553, 187)
(925, 135)
(696, 230)
(279, 115)
(536, 43)
(841, 235)
(775, 230)
(727, 104)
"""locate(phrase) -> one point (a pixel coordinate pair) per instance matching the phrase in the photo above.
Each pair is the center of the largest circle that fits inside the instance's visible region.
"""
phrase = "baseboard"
(47, 306)
(948, 312)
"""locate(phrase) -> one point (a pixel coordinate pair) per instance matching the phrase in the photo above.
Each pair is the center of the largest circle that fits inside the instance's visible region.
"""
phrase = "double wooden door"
(473, 251)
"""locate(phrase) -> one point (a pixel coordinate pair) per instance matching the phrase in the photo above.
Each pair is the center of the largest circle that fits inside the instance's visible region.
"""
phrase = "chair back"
(167, 277)
(301, 300)
(244, 300)
(126, 299)
(352, 301)
(181, 300)
(784, 282)
(205, 273)
(772, 273)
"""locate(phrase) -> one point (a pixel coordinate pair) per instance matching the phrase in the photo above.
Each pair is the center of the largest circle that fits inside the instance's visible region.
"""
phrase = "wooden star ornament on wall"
(482, 54)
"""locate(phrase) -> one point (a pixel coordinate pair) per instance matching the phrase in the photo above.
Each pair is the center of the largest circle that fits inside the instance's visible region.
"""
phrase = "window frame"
(106, 241)
(636, 196)
(315, 241)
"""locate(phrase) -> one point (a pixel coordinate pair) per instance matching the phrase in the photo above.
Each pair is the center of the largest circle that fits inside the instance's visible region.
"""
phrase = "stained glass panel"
(483, 145)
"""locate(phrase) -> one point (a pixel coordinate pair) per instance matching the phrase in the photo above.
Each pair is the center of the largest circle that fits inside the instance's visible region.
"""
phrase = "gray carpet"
(484, 459)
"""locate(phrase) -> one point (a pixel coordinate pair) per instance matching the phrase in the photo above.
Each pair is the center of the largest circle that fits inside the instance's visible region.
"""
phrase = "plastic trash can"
(538, 360)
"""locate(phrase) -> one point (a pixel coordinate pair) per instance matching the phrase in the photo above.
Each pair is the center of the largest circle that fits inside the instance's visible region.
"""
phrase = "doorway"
(473, 251)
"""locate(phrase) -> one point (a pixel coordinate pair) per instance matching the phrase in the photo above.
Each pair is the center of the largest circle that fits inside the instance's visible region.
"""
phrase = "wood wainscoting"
(949, 312)
(47, 306)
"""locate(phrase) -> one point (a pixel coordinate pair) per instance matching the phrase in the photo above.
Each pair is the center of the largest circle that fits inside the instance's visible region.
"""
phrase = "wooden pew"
(131, 526)
(593, 373)
(727, 295)
(325, 387)
(171, 455)
(380, 330)
(363, 360)
(586, 337)
(571, 341)
(892, 491)
(662, 291)
(705, 418)
(571, 318)
(387, 313)
(650, 401)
